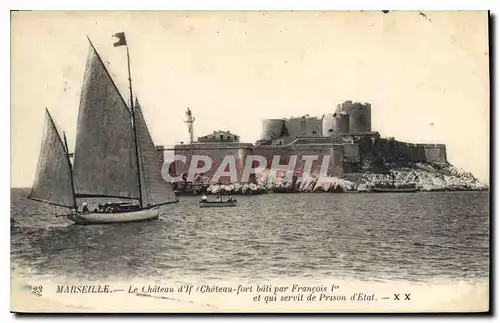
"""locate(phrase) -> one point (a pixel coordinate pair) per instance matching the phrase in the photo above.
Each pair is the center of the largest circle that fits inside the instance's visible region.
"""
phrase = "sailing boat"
(114, 157)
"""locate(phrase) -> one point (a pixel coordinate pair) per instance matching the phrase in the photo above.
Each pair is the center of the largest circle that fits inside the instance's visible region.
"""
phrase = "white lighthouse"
(190, 120)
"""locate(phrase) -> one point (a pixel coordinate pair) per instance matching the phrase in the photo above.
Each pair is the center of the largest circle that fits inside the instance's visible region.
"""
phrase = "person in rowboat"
(203, 198)
(85, 207)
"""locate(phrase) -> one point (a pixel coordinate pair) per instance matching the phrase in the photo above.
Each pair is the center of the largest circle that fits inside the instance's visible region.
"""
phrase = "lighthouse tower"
(190, 120)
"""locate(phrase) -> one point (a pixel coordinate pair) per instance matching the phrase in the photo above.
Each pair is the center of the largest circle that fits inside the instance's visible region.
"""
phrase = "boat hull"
(116, 217)
(218, 204)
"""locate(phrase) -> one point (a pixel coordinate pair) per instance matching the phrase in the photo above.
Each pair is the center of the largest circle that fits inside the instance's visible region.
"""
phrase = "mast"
(110, 171)
(104, 66)
(70, 168)
(115, 138)
(135, 128)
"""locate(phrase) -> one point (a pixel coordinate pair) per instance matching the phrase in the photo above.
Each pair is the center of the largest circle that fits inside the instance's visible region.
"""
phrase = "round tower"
(342, 122)
(359, 116)
(272, 128)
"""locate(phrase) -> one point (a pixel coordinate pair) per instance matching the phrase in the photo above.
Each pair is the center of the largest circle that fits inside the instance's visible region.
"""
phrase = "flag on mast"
(121, 39)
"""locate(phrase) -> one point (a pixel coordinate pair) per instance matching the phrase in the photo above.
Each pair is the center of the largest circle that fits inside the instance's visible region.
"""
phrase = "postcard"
(250, 161)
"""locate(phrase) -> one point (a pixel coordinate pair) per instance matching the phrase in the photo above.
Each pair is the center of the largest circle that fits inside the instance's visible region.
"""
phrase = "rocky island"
(293, 152)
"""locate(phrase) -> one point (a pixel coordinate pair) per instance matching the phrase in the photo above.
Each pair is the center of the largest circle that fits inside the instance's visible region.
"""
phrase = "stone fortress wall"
(345, 134)
(350, 125)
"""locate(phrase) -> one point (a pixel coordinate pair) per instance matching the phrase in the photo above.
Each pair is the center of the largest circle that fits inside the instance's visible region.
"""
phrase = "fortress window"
(330, 130)
(314, 132)
(221, 137)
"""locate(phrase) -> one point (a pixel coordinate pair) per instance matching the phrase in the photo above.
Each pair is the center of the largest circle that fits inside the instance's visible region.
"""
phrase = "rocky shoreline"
(425, 177)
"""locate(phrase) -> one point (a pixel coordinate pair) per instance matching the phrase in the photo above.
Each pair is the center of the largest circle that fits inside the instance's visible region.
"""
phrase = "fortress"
(346, 135)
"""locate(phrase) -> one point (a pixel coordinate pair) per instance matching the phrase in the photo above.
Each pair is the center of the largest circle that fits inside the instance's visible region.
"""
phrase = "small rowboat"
(218, 204)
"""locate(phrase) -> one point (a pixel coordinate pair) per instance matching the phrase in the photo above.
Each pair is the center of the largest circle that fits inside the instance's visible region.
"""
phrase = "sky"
(425, 75)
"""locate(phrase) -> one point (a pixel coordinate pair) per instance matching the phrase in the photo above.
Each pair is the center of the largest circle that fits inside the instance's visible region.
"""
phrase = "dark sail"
(104, 160)
(53, 182)
(155, 190)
